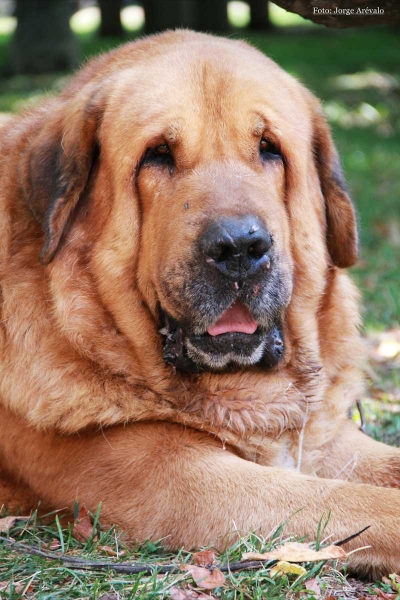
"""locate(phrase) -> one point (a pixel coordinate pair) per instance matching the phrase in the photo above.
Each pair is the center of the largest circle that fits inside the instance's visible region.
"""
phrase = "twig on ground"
(128, 568)
(146, 568)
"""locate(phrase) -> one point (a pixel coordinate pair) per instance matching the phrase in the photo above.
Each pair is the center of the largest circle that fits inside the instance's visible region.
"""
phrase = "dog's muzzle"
(233, 303)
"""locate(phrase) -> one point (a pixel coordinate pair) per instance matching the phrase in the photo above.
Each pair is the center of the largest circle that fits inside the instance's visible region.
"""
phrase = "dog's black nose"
(237, 246)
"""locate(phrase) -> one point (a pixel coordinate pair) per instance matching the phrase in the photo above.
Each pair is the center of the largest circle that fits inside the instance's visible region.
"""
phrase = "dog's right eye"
(159, 156)
(269, 150)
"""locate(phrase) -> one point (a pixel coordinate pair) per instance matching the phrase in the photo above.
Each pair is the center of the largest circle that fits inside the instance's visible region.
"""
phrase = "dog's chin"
(195, 353)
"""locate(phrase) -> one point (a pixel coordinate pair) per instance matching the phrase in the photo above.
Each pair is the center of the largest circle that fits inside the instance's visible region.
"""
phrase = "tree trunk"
(213, 15)
(111, 25)
(345, 13)
(259, 17)
(43, 41)
(207, 15)
(162, 14)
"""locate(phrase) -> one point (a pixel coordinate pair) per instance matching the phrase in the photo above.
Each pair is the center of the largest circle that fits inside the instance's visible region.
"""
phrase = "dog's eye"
(162, 150)
(269, 151)
(159, 155)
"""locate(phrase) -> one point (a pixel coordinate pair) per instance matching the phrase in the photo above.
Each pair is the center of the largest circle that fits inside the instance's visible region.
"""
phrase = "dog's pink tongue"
(237, 319)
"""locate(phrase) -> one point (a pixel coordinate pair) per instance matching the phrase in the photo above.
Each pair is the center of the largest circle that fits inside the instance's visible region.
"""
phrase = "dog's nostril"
(259, 248)
(224, 252)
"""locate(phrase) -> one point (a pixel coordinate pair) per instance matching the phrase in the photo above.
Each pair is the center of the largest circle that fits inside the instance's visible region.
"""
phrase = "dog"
(179, 338)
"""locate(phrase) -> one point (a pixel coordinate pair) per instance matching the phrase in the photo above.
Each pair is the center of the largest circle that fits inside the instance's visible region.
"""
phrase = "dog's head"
(197, 173)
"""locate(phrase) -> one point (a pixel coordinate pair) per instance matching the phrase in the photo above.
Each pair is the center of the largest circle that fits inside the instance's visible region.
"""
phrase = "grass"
(355, 73)
(25, 576)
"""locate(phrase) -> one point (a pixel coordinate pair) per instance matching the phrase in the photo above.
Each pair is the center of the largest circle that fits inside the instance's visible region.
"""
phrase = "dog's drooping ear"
(56, 167)
(341, 223)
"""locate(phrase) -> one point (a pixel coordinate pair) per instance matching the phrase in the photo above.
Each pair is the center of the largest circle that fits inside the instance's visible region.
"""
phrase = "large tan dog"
(179, 340)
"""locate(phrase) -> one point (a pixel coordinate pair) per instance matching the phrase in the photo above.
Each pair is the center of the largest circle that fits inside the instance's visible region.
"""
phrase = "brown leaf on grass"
(385, 346)
(7, 522)
(176, 593)
(384, 595)
(16, 587)
(111, 552)
(205, 558)
(204, 578)
(83, 527)
(297, 552)
(312, 585)
(54, 545)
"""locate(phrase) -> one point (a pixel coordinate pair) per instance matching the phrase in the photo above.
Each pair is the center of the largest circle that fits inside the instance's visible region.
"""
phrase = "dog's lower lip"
(228, 335)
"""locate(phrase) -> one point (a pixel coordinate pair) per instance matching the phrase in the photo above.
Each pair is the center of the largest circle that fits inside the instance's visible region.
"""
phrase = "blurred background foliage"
(355, 72)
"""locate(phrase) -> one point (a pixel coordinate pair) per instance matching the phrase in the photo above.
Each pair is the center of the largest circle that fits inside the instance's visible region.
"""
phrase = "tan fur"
(89, 411)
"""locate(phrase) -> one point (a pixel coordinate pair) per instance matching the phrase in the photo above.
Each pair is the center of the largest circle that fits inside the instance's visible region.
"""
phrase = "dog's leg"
(160, 480)
(354, 456)
(17, 498)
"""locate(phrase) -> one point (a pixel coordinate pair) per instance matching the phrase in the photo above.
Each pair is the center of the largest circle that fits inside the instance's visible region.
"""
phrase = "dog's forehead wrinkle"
(221, 85)
(173, 133)
(269, 120)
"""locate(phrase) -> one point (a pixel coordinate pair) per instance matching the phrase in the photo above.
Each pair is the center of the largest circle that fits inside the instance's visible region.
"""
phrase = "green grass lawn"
(23, 575)
(356, 75)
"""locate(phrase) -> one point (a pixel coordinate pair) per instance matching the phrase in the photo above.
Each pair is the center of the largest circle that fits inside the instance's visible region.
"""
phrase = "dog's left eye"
(159, 155)
(269, 151)
(162, 150)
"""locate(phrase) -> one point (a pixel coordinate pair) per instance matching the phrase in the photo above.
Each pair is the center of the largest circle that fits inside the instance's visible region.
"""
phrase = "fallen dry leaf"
(205, 578)
(297, 552)
(54, 545)
(17, 587)
(312, 585)
(388, 348)
(282, 567)
(385, 346)
(7, 522)
(385, 595)
(205, 558)
(176, 593)
(83, 527)
(111, 552)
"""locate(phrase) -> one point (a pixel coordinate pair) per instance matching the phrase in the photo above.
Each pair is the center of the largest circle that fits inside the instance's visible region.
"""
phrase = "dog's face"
(214, 167)
(215, 246)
